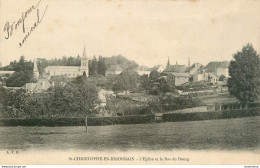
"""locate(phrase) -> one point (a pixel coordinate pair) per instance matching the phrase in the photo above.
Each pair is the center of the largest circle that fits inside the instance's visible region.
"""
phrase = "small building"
(102, 95)
(223, 69)
(199, 77)
(59, 80)
(194, 69)
(42, 85)
(143, 70)
(177, 79)
(114, 70)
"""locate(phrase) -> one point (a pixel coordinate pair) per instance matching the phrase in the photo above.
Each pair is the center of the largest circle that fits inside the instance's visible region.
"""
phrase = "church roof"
(224, 65)
(84, 53)
(62, 67)
(177, 68)
(212, 66)
(143, 68)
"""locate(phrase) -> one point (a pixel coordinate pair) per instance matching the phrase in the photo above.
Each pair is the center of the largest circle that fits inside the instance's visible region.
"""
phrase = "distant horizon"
(171, 63)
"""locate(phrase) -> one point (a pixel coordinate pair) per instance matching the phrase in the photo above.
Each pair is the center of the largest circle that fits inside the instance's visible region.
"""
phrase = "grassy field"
(224, 134)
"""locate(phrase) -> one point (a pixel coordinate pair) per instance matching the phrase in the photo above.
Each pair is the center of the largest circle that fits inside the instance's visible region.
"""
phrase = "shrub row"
(48, 122)
(120, 120)
(97, 121)
(92, 121)
(175, 117)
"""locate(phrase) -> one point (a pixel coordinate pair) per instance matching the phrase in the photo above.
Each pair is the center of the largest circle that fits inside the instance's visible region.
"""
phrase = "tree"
(154, 75)
(244, 81)
(127, 80)
(18, 79)
(221, 78)
(101, 66)
(84, 73)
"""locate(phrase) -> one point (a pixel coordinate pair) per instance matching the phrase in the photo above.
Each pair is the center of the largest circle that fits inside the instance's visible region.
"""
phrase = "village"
(207, 85)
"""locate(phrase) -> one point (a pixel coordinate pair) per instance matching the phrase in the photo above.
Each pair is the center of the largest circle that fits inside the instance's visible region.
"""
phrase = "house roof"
(142, 68)
(181, 74)
(195, 67)
(62, 67)
(177, 68)
(224, 65)
(178, 74)
(212, 66)
(115, 68)
(42, 84)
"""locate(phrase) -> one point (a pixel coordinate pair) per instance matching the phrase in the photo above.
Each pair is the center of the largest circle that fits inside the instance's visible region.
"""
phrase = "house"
(211, 67)
(212, 78)
(42, 85)
(114, 70)
(223, 69)
(214, 70)
(176, 68)
(199, 77)
(194, 69)
(59, 80)
(69, 71)
(143, 70)
(102, 93)
(177, 79)
(158, 68)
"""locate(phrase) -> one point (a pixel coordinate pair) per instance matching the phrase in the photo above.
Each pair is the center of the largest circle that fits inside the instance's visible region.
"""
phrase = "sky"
(146, 31)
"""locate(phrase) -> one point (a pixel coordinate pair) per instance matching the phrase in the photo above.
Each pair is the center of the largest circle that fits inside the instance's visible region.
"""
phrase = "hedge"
(50, 122)
(97, 121)
(92, 121)
(175, 117)
(120, 120)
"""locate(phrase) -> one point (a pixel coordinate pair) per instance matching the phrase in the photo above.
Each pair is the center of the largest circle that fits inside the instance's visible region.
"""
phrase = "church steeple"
(35, 70)
(84, 53)
(84, 63)
(168, 64)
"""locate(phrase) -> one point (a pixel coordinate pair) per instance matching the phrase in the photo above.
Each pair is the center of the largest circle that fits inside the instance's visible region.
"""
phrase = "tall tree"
(101, 66)
(94, 66)
(127, 80)
(244, 71)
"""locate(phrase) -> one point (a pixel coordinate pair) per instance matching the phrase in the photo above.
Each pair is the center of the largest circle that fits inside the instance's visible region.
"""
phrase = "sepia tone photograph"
(171, 82)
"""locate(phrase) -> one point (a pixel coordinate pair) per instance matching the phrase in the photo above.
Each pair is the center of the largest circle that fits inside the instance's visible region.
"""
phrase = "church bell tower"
(84, 63)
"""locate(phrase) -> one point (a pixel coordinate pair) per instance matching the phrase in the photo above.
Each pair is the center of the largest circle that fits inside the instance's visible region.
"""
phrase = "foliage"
(121, 61)
(154, 75)
(18, 79)
(221, 78)
(117, 106)
(127, 80)
(21, 65)
(169, 103)
(77, 98)
(244, 71)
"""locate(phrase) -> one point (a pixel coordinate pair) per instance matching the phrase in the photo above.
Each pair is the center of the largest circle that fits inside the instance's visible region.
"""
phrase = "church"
(69, 71)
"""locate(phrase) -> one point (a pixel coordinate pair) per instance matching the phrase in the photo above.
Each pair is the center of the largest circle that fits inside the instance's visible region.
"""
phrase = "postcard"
(120, 82)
